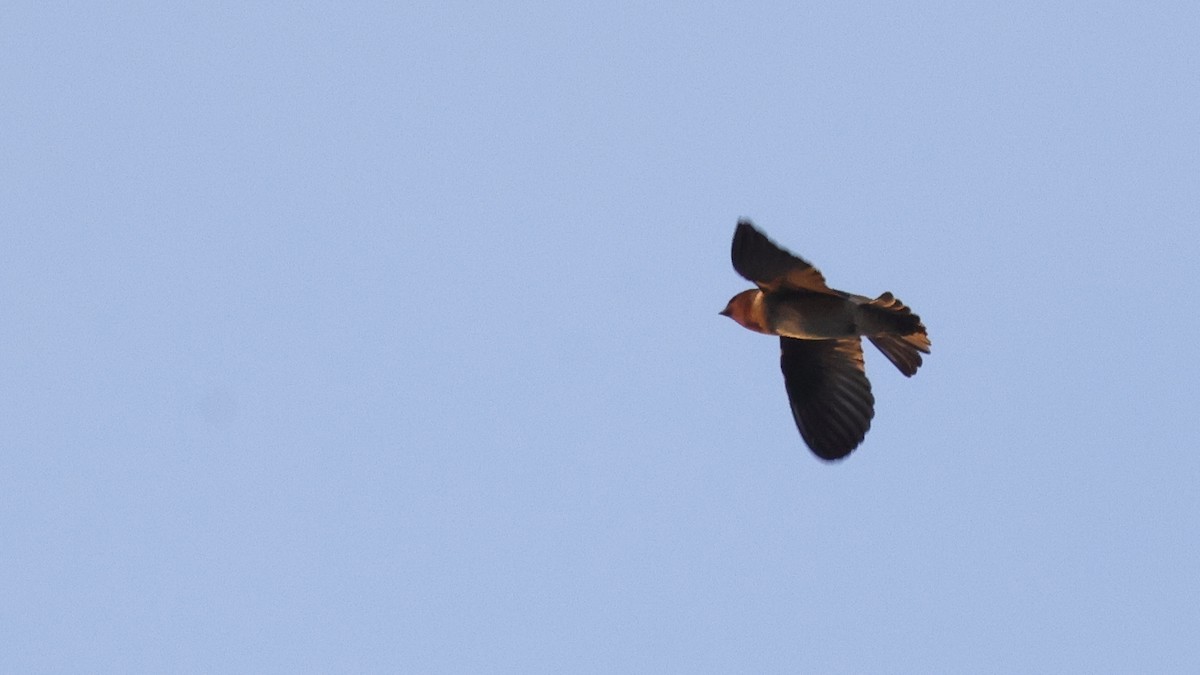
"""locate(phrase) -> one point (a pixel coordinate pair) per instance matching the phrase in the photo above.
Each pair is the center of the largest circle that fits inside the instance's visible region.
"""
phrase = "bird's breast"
(811, 316)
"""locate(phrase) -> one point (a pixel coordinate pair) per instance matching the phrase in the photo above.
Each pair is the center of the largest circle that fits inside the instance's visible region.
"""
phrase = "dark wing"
(762, 261)
(829, 393)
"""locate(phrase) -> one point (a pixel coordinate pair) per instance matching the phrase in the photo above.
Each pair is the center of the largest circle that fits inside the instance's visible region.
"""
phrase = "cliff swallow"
(820, 332)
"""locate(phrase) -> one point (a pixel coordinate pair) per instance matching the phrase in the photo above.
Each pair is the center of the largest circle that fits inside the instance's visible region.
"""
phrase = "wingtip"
(746, 239)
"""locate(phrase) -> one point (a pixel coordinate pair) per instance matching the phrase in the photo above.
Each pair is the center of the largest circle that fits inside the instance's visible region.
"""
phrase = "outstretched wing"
(829, 393)
(762, 261)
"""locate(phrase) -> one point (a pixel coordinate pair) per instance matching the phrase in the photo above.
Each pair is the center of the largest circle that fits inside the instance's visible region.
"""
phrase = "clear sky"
(383, 337)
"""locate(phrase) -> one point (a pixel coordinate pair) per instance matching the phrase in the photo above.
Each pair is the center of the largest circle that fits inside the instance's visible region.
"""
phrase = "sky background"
(383, 337)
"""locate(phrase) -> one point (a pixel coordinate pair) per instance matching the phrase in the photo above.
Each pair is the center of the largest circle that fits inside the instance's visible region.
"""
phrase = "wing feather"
(764, 262)
(829, 393)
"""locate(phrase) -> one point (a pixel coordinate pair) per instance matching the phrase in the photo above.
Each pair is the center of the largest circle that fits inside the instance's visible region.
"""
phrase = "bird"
(820, 333)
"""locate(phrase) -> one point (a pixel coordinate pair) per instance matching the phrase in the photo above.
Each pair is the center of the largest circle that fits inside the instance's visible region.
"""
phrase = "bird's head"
(746, 308)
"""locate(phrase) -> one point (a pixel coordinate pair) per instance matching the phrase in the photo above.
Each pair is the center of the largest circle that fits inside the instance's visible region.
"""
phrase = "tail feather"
(904, 338)
(903, 355)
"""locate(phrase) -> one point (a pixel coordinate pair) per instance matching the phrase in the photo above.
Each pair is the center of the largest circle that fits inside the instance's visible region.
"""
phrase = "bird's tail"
(898, 333)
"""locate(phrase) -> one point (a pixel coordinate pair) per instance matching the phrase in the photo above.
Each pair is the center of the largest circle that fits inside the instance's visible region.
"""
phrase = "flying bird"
(820, 331)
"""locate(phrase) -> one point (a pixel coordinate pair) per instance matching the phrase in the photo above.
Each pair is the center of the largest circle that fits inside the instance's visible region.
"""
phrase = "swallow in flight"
(820, 331)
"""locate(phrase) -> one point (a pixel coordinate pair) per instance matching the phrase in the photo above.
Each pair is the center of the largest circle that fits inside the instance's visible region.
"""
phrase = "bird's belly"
(813, 318)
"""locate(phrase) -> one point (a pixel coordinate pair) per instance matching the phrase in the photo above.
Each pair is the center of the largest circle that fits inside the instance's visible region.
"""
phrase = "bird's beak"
(724, 312)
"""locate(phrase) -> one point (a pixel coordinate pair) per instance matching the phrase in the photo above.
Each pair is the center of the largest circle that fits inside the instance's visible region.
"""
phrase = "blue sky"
(383, 337)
